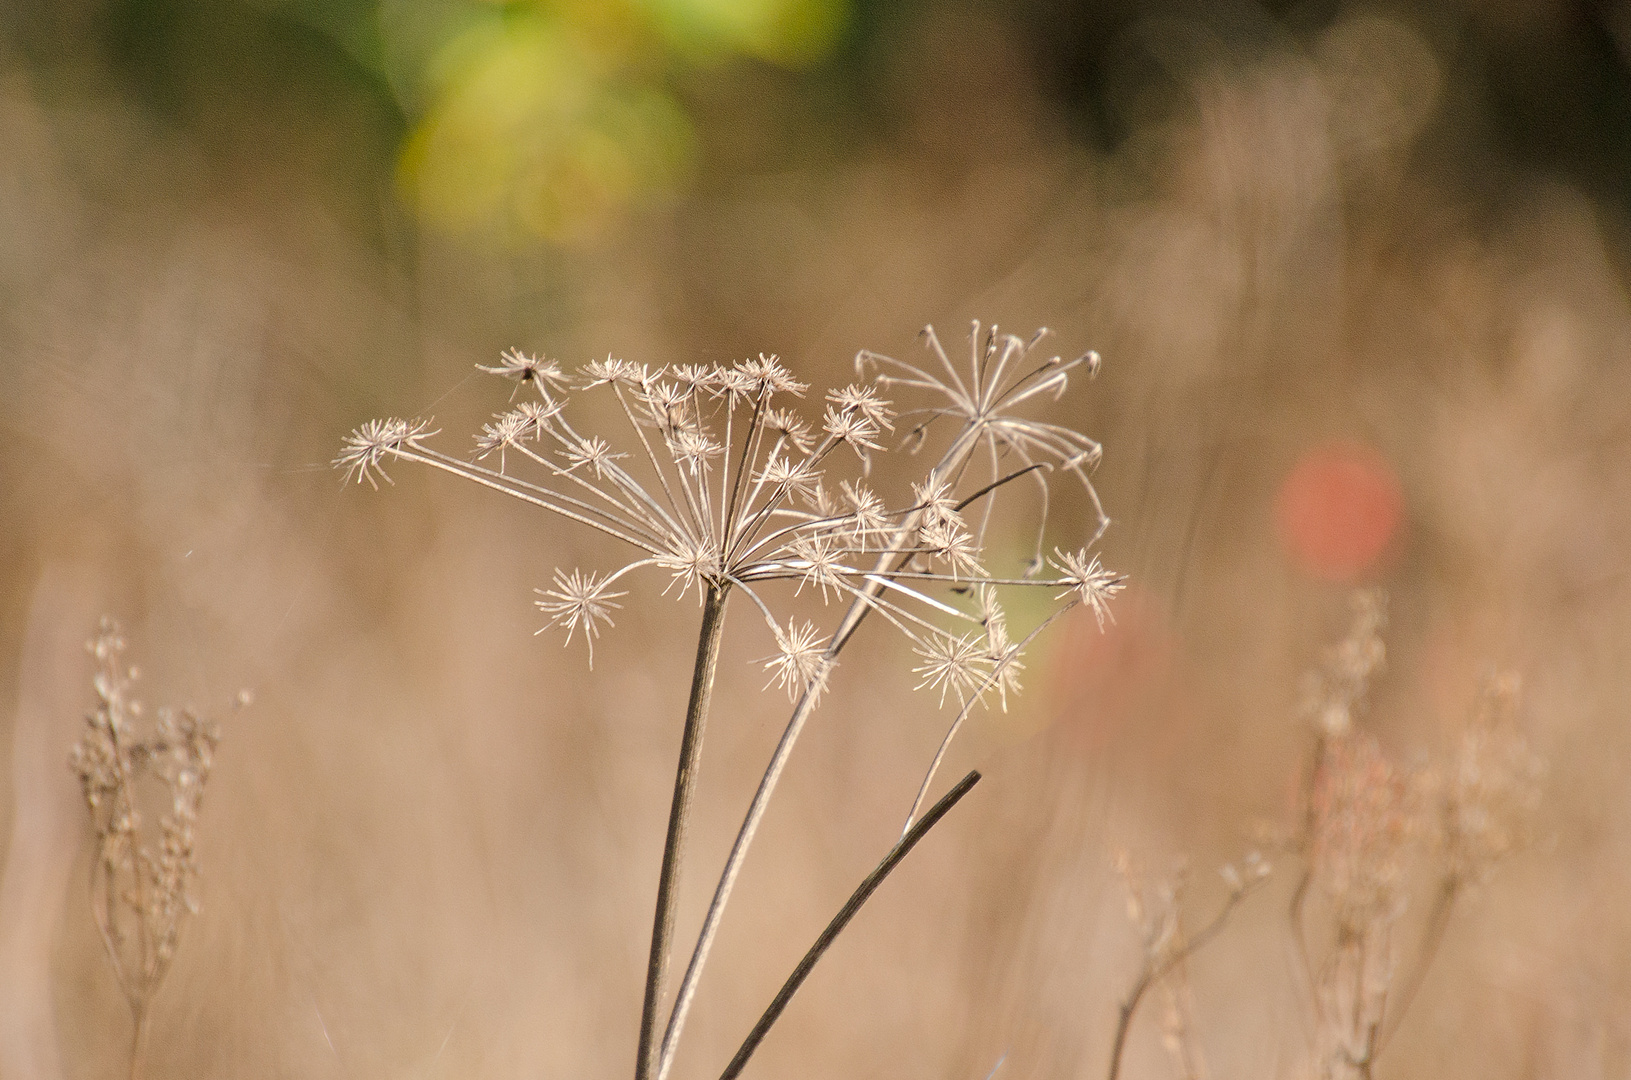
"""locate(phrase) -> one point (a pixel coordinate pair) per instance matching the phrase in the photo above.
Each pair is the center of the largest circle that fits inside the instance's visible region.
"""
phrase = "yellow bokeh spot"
(789, 33)
(534, 131)
(548, 120)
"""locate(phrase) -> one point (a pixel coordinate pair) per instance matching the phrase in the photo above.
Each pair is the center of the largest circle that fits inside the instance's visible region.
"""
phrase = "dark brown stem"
(862, 893)
(696, 716)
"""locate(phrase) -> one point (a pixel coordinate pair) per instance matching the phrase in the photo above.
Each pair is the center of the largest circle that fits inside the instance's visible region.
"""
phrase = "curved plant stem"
(862, 893)
(1438, 917)
(685, 776)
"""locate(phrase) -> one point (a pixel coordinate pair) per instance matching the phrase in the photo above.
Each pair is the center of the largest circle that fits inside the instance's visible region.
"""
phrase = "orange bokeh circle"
(1339, 509)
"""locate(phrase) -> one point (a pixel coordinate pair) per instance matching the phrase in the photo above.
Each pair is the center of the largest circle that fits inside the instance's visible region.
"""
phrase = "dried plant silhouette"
(1157, 913)
(141, 890)
(1366, 820)
(1366, 823)
(720, 484)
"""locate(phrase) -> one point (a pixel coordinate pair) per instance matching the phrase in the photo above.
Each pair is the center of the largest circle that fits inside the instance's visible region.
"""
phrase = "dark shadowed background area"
(1357, 273)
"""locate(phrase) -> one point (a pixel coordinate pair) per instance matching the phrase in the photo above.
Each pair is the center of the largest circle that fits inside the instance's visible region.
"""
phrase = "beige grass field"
(1348, 343)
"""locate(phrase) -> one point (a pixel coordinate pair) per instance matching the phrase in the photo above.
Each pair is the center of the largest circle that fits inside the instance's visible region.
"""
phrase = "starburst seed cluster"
(719, 481)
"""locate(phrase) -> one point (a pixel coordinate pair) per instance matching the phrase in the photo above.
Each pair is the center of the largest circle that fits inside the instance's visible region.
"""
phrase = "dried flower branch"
(141, 892)
(1158, 915)
(1363, 817)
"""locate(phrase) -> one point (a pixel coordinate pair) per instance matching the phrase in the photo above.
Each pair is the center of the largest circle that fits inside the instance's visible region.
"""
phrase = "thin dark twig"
(1154, 973)
(862, 893)
(999, 482)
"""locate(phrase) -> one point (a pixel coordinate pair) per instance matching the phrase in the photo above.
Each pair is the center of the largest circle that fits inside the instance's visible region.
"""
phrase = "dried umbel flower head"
(718, 482)
(142, 877)
(1360, 817)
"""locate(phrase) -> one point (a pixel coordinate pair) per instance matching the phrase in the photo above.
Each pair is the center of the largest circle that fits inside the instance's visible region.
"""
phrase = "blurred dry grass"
(430, 848)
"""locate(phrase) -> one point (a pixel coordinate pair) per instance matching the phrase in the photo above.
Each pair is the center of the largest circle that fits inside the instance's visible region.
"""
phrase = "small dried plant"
(141, 884)
(1366, 821)
(1157, 912)
(719, 483)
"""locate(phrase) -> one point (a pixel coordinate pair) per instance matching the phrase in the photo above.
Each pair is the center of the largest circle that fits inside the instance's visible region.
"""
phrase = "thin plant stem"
(858, 610)
(685, 776)
(733, 866)
(1156, 971)
(863, 604)
(862, 893)
(1438, 917)
(1299, 942)
(138, 1044)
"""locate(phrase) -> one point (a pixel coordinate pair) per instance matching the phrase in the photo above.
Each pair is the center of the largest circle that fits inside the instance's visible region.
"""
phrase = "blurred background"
(1357, 273)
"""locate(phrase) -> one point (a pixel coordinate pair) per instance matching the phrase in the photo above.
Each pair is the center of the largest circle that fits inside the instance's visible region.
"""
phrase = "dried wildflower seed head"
(717, 480)
(594, 452)
(867, 517)
(141, 884)
(1090, 581)
(795, 477)
(579, 600)
(1000, 651)
(692, 563)
(694, 450)
(1362, 820)
(611, 370)
(695, 378)
(853, 429)
(1252, 870)
(507, 430)
(865, 402)
(769, 377)
(819, 557)
(371, 443)
(951, 662)
(791, 429)
(798, 661)
(514, 364)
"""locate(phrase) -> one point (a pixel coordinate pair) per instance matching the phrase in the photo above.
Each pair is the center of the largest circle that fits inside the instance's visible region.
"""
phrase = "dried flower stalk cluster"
(1367, 821)
(1368, 827)
(141, 893)
(720, 483)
